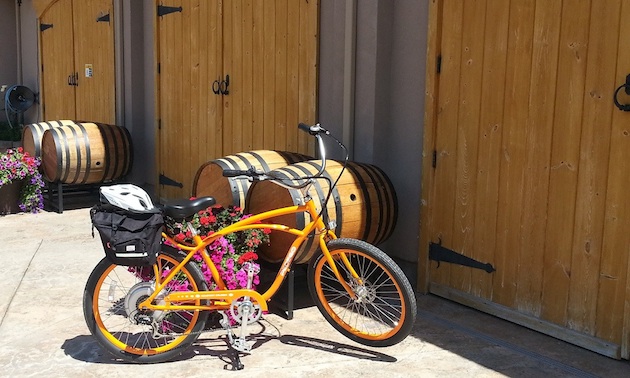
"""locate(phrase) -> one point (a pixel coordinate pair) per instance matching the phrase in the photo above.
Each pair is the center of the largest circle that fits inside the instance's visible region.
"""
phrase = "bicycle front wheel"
(110, 308)
(383, 309)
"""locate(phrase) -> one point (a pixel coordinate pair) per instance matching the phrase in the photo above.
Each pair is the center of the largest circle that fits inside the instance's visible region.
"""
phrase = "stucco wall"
(24, 50)
(388, 100)
(8, 49)
(139, 88)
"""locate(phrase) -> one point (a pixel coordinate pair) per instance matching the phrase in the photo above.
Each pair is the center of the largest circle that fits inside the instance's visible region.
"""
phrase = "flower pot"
(10, 197)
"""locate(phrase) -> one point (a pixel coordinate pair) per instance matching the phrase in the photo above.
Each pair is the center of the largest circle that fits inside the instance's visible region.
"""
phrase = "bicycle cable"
(332, 185)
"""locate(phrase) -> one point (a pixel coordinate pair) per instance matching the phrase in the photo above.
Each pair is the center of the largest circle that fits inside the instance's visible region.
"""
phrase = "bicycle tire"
(109, 300)
(385, 308)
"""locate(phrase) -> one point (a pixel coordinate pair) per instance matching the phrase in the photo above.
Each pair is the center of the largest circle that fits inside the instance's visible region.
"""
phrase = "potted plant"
(20, 182)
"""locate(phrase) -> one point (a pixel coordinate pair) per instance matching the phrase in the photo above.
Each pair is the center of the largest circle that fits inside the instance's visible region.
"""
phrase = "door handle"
(221, 86)
(73, 79)
(225, 84)
(626, 87)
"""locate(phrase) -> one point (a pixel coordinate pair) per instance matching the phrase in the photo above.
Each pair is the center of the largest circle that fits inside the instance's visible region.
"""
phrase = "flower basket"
(19, 177)
(229, 253)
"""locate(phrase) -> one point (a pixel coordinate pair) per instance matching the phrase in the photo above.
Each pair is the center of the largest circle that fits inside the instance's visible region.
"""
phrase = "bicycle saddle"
(184, 208)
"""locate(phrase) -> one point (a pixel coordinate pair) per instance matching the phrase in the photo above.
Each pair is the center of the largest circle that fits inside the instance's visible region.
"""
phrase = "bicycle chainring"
(238, 307)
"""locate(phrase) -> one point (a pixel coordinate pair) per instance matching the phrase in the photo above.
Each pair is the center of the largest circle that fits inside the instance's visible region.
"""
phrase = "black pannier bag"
(130, 239)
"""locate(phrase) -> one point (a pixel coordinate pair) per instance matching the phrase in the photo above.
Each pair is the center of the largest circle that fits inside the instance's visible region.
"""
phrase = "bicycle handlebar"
(315, 130)
(237, 172)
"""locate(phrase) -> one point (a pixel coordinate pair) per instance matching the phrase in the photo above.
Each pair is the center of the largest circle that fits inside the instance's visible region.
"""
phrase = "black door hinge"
(163, 10)
(439, 253)
(438, 63)
(434, 159)
(43, 27)
(103, 18)
(169, 181)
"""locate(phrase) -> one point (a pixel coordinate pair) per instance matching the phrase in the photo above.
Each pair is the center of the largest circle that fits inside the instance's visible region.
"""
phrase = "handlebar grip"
(304, 127)
(235, 172)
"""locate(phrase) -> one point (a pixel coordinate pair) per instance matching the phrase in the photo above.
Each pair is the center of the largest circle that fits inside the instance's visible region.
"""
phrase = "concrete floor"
(48, 257)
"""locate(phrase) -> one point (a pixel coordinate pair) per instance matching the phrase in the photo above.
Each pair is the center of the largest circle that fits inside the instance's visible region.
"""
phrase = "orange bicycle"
(154, 316)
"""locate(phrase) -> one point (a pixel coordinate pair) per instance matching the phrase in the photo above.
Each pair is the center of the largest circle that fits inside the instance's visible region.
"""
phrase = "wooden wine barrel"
(363, 204)
(86, 153)
(32, 135)
(209, 180)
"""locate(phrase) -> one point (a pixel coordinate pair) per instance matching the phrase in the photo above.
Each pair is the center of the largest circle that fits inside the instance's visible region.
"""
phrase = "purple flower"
(230, 264)
(19, 165)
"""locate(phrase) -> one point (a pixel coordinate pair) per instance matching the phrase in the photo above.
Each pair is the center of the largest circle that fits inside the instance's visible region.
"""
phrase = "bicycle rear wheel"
(384, 308)
(110, 301)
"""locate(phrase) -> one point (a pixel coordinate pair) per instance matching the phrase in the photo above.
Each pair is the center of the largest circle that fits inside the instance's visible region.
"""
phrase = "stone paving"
(48, 257)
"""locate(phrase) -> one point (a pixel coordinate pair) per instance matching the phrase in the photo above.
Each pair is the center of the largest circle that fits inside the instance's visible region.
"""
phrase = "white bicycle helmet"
(128, 197)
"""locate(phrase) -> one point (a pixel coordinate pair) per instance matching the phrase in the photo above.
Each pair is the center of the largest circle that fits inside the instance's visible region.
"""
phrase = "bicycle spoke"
(116, 293)
(375, 309)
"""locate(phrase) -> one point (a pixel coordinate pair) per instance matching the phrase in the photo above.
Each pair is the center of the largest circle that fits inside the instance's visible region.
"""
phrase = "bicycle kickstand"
(236, 361)
(237, 344)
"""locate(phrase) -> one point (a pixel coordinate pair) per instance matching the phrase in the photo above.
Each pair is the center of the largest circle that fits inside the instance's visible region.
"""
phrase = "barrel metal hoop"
(66, 148)
(234, 188)
(107, 147)
(336, 198)
(352, 167)
(235, 182)
(77, 147)
(38, 134)
(262, 161)
(392, 211)
(88, 154)
(127, 152)
(297, 197)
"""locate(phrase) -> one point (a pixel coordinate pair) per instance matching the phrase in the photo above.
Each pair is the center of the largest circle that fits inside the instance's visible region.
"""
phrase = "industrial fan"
(17, 100)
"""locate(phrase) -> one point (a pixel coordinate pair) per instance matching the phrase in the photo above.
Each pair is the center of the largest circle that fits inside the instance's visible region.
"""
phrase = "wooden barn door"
(525, 165)
(56, 40)
(94, 60)
(78, 69)
(190, 60)
(266, 50)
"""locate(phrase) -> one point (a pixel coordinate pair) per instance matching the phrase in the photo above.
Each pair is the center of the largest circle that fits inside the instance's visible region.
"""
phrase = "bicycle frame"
(222, 298)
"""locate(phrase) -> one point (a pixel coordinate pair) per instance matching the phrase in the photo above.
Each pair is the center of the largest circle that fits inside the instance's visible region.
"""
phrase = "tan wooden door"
(268, 49)
(525, 164)
(189, 112)
(78, 68)
(94, 60)
(270, 53)
(57, 52)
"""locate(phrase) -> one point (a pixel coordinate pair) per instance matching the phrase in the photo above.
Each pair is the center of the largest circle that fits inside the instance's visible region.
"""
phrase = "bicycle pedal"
(241, 345)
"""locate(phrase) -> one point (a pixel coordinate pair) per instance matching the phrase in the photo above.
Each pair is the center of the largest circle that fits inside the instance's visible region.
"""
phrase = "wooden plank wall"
(269, 51)
(530, 151)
